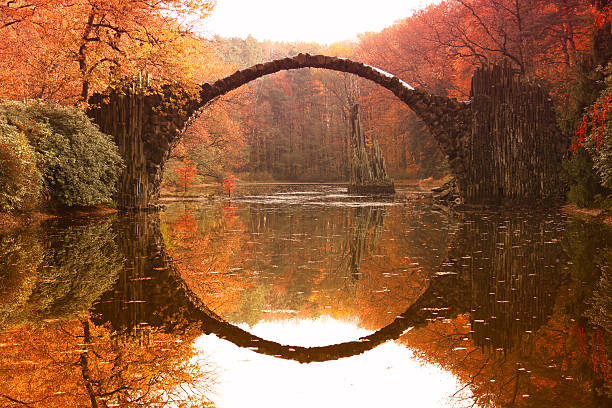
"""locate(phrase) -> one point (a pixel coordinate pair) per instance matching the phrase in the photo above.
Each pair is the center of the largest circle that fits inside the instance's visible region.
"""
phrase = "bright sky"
(388, 376)
(322, 21)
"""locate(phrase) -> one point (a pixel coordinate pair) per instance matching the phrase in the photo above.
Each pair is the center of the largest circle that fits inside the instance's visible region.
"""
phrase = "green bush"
(584, 183)
(589, 170)
(20, 180)
(80, 165)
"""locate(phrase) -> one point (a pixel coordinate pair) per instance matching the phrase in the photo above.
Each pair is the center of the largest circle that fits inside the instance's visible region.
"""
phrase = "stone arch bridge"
(501, 145)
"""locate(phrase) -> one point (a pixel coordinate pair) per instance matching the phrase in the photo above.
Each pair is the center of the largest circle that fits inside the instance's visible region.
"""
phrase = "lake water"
(300, 295)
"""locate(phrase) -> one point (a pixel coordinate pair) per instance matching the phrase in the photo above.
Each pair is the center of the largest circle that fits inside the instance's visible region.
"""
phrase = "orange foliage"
(185, 172)
(203, 254)
(527, 376)
(74, 363)
(228, 184)
(63, 50)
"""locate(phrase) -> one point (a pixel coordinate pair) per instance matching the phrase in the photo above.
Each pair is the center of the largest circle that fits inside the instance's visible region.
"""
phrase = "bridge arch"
(426, 308)
(146, 130)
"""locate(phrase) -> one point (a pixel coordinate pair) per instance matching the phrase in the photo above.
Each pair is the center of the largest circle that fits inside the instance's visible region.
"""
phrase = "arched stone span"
(146, 127)
(446, 118)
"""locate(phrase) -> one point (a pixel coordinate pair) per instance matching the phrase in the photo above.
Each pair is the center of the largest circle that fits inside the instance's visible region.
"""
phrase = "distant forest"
(294, 125)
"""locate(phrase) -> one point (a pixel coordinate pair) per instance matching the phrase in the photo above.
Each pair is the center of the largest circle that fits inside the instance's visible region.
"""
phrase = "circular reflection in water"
(306, 254)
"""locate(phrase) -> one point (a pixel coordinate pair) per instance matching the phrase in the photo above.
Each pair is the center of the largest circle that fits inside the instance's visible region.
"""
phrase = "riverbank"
(592, 213)
(212, 190)
(11, 221)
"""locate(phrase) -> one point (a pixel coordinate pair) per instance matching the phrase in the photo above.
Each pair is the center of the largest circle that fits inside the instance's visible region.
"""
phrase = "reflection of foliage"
(599, 314)
(83, 262)
(202, 251)
(550, 358)
(589, 246)
(600, 310)
(77, 265)
(253, 302)
(20, 256)
(287, 262)
(397, 270)
(78, 364)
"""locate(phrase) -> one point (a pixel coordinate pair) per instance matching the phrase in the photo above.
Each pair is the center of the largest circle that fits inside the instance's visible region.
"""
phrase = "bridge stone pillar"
(145, 124)
(514, 151)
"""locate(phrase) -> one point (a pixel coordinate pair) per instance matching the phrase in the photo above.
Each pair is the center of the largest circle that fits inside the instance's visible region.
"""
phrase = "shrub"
(20, 180)
(80, 165)
(584, 183)
(599, 144)
(590, 167)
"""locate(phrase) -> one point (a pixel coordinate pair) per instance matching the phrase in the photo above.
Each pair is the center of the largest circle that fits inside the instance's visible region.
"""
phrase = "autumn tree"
(530, 33)
(185, 172)
(62, 50)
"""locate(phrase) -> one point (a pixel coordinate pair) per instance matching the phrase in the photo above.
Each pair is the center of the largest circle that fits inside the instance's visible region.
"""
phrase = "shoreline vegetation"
(595, 214)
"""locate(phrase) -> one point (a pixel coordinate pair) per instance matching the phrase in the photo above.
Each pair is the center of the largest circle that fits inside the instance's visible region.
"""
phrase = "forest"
(294, 125)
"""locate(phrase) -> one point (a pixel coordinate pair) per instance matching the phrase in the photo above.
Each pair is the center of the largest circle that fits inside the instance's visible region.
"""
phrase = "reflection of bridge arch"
(147, 127)
(469, 281)
(166, 301)
(418, 314)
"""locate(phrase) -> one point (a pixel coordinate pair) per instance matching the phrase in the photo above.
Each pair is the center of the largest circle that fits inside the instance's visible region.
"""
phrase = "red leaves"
(594, 119)
(602, 16)
(186, 172)
(228, 184)
(596, 356)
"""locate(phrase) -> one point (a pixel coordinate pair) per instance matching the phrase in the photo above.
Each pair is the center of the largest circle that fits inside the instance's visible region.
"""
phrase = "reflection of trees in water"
(523, 298)
(142, 296)
(57, 274)
(20, 255)
(506, 268)
(506, 277)
(363, 235)
(589, 246)
(52, 355)
(308, 261)
(203, 245)
(75, 363)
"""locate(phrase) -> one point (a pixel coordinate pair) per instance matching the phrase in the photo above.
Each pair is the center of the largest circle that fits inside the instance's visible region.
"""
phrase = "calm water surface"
(300, 295)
